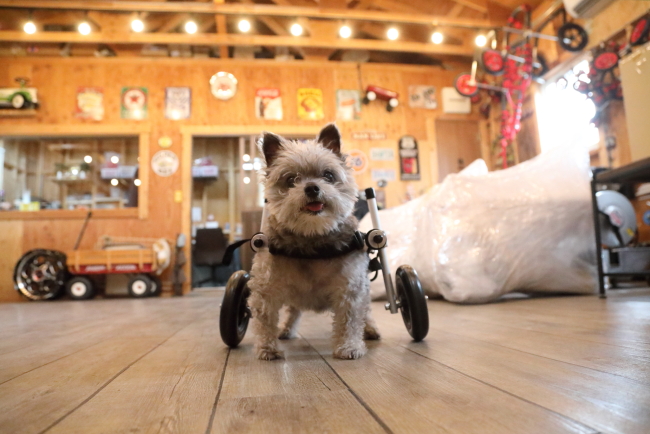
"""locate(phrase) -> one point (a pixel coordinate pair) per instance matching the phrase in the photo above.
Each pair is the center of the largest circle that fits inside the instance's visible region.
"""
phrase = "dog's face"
(309, 188)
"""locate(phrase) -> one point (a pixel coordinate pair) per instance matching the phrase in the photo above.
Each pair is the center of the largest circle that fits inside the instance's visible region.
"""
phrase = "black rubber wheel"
(156, 285)
(41, 274)
(572, 37)
(413, 303)
(140, 286)
(493, 62)
(539, 71)
(234, 317)
(80, 288)
(640, 31)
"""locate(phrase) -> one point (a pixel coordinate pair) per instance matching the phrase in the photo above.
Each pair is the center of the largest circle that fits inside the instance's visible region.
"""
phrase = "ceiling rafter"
(235, 40)
(249, 9)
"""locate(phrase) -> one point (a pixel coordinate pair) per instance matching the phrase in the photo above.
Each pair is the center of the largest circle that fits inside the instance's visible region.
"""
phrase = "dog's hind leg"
(370, 331)
(290, 327)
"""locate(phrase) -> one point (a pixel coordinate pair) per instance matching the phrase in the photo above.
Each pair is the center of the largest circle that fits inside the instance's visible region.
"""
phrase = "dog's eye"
(328, 176)
(291, 181)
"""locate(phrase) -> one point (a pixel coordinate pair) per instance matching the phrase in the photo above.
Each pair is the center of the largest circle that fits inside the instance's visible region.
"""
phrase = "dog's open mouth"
(314, 207)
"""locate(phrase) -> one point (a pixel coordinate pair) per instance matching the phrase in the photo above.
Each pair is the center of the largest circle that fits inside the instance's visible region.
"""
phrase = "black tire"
(539, 71)
(80, 288)
(389, 108)
(41, 274)
(156, 286)
(140, 286)
(572, 37)
(413, 303)
(234, 317)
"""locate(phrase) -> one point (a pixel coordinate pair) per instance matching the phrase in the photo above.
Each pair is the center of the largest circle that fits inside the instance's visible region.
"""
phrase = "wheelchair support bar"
(383, 257)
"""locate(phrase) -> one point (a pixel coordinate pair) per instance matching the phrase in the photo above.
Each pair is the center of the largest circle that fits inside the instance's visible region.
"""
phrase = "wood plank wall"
(58, 78)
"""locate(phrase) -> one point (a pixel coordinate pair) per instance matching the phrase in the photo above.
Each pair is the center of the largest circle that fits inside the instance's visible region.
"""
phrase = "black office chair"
(208, 250)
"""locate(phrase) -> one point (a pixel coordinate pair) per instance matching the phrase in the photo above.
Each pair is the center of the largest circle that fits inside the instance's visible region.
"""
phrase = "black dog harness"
(357, 242)
(323, 252)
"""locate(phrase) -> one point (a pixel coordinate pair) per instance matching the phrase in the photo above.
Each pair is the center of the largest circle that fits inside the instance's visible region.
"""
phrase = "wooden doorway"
(459, 143)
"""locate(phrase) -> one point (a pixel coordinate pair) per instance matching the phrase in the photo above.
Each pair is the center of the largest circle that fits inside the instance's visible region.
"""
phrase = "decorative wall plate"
(223, 85)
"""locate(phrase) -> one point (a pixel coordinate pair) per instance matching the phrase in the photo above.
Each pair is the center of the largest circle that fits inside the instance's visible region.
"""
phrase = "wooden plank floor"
(544, 365)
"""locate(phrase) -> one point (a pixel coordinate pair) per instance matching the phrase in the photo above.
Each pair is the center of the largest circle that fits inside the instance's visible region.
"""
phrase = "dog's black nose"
(312, 190)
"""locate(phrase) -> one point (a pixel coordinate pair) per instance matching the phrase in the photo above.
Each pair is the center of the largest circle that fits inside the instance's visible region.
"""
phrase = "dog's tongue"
(314, 206)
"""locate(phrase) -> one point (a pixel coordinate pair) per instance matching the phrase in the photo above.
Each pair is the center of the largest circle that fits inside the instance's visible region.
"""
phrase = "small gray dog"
(315, 259)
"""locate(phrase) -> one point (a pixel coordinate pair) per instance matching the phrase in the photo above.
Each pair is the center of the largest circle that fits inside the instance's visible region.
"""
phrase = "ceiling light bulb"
(88, 159)
(137, 25)
(480, 41)
(84, 28)
(436, 38)
(191, 27)
(392, 33)
(115, 159)
(246, 157)
(29, 27)
(296, 29)
(244, 26)
(114, 182)
(247, 180)
(345, 32)
(137, 182)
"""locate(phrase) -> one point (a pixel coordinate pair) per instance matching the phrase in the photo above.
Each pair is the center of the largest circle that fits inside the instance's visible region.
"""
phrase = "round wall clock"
(223, 85)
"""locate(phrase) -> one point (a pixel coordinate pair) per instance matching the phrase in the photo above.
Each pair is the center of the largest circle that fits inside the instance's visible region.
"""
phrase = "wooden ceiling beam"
(236, 40)
(251, 10)
(220, 21)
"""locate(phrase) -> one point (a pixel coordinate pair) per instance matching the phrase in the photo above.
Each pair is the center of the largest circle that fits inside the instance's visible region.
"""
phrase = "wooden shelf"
(17, 113)
(62, 147)
(69, 180)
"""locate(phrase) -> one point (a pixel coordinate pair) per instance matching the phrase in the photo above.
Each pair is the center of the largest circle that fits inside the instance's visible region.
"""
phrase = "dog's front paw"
(266, 353)
(288, 334)
(370, 333)
(350, 352)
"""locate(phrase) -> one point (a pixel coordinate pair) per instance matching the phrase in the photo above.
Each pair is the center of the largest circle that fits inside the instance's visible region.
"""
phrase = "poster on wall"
(310, 104)
(348, 104)
(90, 103)
(268, 104)
(409, 161)
(423, 97)
(382, 154)
(178, 103)
(134, 103)
(358, 161)
(387, 175)
(164, 163)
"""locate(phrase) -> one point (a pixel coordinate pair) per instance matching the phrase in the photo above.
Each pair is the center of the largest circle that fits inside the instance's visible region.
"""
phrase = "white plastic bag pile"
(479, 235)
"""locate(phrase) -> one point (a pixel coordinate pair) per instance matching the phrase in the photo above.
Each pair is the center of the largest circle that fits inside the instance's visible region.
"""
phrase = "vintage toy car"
(376, 92)
(19, 98)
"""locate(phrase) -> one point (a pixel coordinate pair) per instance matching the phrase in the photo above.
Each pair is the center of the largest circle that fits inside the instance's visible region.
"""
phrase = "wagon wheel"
(463, 87)
(493, 62)
(139, 286)
(40, 274)
(640, 31)
(156, 285)
(572, 37)
(80, 288)
(606, 61)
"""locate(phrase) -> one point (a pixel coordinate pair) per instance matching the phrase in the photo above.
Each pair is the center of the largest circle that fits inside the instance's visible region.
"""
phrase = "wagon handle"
(83, 229)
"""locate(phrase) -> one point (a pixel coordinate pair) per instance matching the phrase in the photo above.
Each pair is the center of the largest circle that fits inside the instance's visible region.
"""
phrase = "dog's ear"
(330, 138)
(270, 144)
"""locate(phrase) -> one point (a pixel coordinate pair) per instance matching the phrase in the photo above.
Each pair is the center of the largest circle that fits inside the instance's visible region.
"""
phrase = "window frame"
(142, 131)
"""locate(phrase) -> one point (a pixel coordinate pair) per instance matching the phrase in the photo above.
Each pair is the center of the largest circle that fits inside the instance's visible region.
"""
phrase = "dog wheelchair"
(405, 296)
